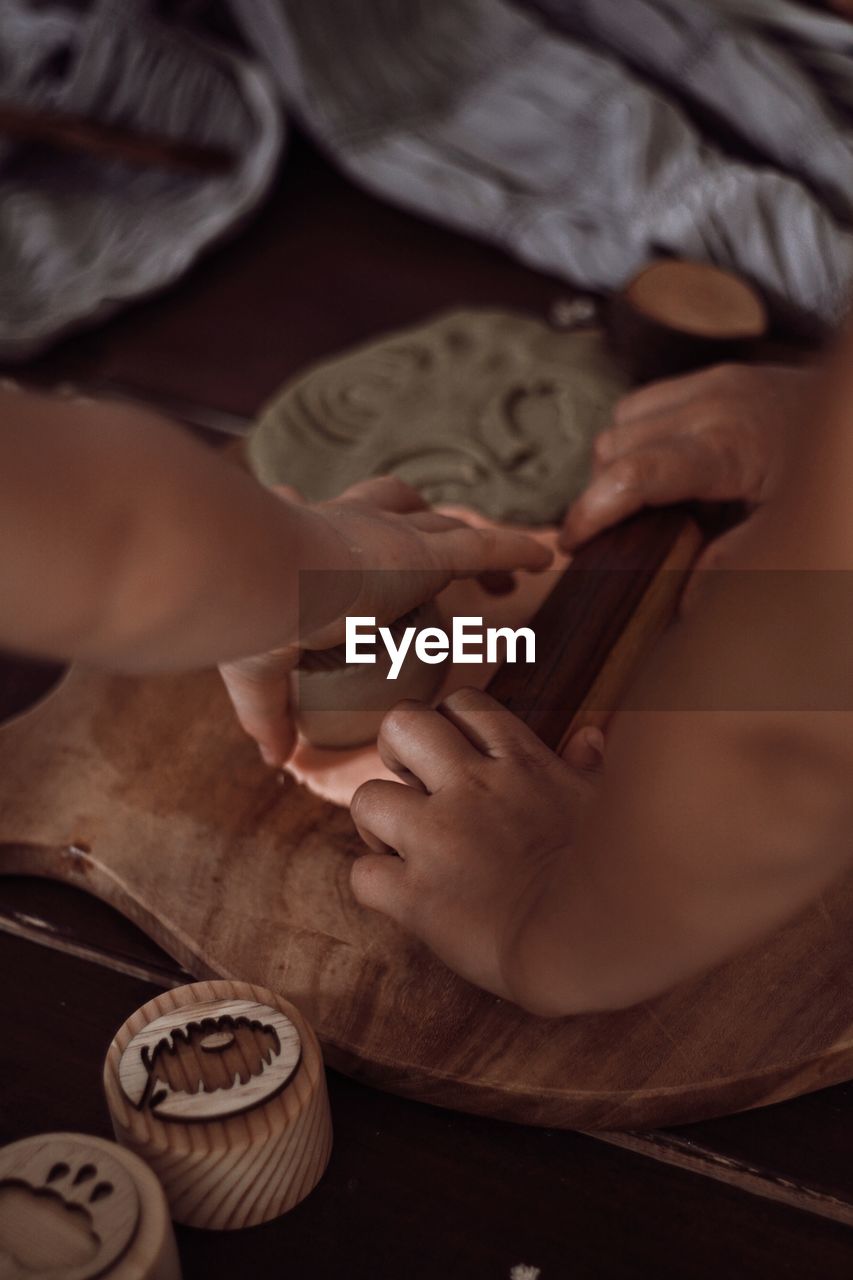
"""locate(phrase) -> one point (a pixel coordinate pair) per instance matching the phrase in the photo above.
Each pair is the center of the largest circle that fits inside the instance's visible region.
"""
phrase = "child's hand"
(416, 552)
(488, 813)
(718, 435)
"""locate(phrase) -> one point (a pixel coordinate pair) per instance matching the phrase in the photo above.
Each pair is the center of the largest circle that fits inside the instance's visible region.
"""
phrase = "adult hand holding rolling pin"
(721, 806)
(718, 435)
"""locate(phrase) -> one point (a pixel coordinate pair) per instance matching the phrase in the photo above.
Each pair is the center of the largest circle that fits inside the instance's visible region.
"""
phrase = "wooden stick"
(599, 622)
(68, 132)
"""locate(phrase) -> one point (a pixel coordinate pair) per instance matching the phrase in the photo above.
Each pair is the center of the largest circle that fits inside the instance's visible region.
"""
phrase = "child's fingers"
(416, 742)
(380, 884)
(384, 814)
(490, 727)
(585, 750)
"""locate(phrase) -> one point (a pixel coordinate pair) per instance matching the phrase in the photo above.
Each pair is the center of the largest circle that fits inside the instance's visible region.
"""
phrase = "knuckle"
(464, 699)
(638, 471)
(399, 721)
(525, 754)
(725, 450)
(476, 782)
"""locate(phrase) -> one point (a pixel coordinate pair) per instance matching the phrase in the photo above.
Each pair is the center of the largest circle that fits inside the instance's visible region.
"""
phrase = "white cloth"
(79, 237)
(557, 134)
(564, 131)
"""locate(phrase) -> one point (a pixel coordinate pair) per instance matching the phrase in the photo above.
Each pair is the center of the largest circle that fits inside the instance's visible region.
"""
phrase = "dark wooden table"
(411, 1191)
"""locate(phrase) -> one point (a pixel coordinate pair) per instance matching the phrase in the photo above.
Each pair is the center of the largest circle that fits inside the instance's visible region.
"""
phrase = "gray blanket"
(563, 130)
(81, 237)
(573, 133)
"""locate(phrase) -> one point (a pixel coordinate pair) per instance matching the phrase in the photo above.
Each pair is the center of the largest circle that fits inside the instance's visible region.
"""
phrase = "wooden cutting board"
(144, 792)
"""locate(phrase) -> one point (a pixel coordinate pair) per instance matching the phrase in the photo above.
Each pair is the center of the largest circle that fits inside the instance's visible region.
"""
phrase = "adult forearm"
(128, 544)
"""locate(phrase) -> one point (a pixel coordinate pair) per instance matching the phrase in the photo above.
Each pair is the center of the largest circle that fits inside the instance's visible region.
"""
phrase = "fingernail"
(270, 758)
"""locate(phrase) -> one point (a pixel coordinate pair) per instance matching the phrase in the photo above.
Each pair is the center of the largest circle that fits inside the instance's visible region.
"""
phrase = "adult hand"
(405, 555)
(718, 435)
(409, 553)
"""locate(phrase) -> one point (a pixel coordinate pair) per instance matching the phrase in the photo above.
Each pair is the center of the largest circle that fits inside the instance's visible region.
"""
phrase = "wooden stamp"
(220, 1087)
(676, 316)
(77, 1207)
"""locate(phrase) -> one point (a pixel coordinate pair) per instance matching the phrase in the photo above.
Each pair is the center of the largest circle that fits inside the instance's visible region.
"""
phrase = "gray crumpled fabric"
(80, 237)
(557, 130)
(560, 130)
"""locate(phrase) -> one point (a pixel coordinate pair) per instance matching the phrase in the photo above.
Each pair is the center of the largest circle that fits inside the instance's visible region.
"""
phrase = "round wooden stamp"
(74, 1207)
(220, 1087)
(675, 316)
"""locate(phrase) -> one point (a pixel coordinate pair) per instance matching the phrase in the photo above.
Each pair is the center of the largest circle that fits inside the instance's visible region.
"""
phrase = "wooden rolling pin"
(602, 618)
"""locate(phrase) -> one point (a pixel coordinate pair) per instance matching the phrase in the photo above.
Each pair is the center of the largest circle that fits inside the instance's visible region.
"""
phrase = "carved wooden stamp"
(76, 1207)
(220, 1087)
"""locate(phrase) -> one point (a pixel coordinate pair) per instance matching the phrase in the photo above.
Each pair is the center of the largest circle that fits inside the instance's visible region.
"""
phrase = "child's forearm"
(711, 831)
(128, 544)
(726, 801)
(714, 826)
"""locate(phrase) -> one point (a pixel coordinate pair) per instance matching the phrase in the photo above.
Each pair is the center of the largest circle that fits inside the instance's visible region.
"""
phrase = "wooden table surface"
(411, 1191)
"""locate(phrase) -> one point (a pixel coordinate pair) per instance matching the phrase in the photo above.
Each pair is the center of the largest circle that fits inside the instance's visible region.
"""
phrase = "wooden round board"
(144, 792)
